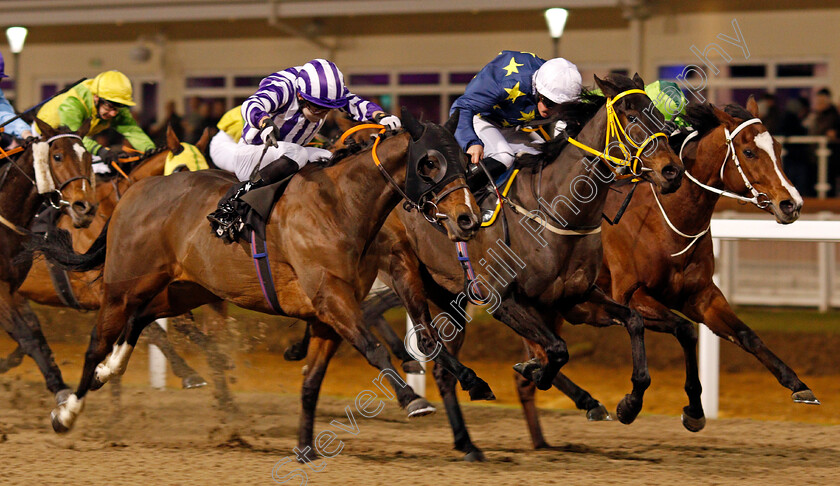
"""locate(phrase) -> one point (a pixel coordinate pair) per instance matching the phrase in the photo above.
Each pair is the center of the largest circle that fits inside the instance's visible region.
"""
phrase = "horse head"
(753, 165)
(63, 171)
(436, 179)
(638, 134)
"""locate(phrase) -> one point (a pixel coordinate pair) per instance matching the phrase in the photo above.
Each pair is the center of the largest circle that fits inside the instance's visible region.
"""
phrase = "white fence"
(725, 232)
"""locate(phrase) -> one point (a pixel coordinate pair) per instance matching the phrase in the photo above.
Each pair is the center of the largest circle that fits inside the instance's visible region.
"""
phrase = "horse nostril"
(670, 172)
(787, 206)
(467, 222)
(82, 207)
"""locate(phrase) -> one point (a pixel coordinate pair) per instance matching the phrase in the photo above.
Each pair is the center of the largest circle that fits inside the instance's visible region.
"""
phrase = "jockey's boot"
(478, 183)
(226, 221)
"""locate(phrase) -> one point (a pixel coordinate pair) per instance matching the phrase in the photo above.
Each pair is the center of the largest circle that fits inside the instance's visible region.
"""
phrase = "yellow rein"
(364, 126)
(614, 129)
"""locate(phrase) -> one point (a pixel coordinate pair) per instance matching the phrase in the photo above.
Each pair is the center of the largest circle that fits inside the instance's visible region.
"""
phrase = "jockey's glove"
(391, 122)
(109, 156)
(269, 132)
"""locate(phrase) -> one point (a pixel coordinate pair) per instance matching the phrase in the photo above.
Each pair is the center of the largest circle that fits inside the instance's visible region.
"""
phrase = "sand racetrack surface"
(176, 437)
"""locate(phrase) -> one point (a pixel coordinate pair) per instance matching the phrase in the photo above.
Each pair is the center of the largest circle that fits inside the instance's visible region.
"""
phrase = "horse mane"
(737, 111)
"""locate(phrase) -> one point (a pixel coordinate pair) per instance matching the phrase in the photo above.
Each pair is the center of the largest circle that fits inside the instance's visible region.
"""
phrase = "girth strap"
(264, 272)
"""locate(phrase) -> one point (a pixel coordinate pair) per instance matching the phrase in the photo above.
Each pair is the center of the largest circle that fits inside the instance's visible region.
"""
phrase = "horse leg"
(13, 360)
(110, 325)
(531, 324)
(219, 362)
(527, 390)
(336, 305)
(397, 345)
(446, 383)
(23, 326)
(323, 343)
(711, 308)
(297, 351)
(409, 286)
(659, 318)
(600, 310)
(189, 377)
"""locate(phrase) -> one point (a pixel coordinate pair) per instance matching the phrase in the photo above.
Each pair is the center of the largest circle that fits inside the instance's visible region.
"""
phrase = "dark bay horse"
(163, 259)
(83, 290)
(54, 167)
(549, 267)
(654, 264)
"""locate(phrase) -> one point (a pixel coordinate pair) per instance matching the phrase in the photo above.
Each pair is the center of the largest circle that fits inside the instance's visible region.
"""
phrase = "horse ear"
(452, 123)
(411, 125)
(172, 141)
(84, 129)
(638, 80)
(724, 117)
(46, 130)
(752, 106)
(203, 142)
(607, 87)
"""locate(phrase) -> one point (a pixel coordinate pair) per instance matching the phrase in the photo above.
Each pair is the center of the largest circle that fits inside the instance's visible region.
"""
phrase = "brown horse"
(539, 274)
(56, 168)
(83, 290)
(164, 260)
(654, 264)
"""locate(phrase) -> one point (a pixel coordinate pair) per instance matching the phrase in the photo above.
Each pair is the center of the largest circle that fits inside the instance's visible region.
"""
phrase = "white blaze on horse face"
(80, 153)
(467, 197)
(764, 141)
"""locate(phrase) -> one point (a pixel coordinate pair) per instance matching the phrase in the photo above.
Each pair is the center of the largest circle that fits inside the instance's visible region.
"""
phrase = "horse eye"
(749, 154)
(631, 118)
(57, 157)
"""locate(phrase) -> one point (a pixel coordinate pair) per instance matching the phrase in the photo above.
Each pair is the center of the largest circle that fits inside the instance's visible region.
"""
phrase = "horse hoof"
(193, 381)
(542, 445)
(295, 352)
(598, 414)
(528, 368)
(413, 368)
(481, 391)
(420, 407)
(692, 424)
(62, 396)
(304, 369)
(805, 396)
(474, 455)
(95, 384)
(57, 426)
(626, 411)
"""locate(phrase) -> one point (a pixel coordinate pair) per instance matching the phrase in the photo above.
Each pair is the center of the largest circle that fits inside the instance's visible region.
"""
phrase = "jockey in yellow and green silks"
(105, 100)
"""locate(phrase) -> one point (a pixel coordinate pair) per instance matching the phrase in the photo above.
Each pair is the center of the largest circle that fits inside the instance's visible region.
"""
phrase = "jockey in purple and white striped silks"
(293, 104)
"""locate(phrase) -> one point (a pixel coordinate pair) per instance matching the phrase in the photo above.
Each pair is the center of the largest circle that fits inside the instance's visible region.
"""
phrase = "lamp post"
(16, 37)
(556, 20)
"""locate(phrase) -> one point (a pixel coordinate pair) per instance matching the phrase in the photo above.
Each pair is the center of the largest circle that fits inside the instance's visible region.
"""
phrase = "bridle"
(759, 199)
(614, 131)
(427, 207)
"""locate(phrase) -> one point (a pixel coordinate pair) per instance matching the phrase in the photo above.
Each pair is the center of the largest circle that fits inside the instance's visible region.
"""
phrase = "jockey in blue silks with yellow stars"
(505, 105)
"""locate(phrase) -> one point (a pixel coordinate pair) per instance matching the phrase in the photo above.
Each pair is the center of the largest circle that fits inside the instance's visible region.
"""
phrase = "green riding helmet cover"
(667, 98)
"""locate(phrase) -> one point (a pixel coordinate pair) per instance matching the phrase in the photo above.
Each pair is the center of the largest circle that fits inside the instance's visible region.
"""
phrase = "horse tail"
(57, 247)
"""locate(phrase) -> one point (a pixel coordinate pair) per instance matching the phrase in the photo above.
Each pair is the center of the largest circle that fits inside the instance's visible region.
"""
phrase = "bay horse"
(83, 290)
(164, 261)
(730, 153)
(537, 275)
(55, 168)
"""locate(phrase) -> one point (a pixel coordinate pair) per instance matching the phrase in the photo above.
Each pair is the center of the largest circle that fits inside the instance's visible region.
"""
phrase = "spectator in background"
(172, 119)
(193, 120)
(799, 163)
(826, 121)
(18, 128)
(771, 115)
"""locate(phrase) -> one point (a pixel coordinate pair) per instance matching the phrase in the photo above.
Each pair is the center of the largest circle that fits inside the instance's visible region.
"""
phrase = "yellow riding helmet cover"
(113, 86)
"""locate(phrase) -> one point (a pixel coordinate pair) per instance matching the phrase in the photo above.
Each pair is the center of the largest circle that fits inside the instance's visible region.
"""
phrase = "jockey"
(504, 106)
(283, 116)
(105, 100)
(17, 128)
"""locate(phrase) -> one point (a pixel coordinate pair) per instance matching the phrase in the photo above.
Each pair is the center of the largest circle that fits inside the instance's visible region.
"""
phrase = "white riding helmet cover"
(558, 80)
